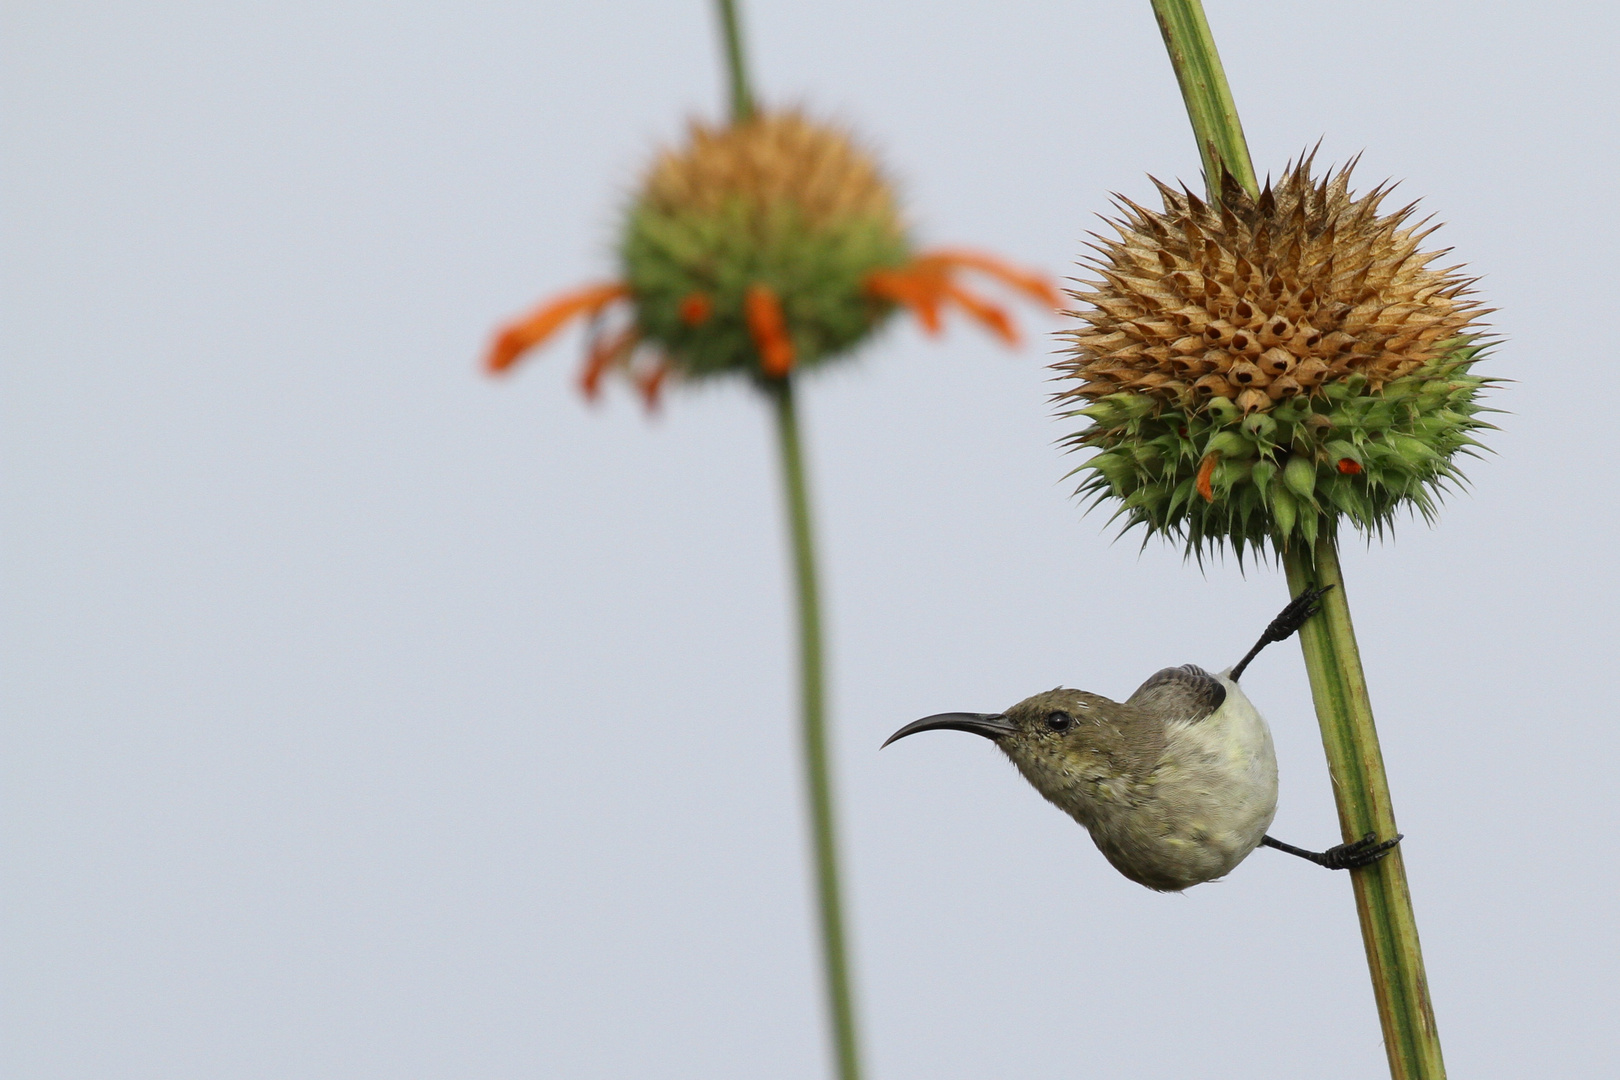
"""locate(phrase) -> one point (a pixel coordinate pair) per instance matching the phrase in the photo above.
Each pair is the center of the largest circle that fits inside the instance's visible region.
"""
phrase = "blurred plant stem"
(812, 676)
(1338, 686)
(742, 94)
(812, 704)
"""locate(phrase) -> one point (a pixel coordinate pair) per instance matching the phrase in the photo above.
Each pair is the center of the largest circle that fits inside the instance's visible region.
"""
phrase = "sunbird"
(1177, 784)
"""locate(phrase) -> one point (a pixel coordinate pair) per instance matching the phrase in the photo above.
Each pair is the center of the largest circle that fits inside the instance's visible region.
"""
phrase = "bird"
(1177, 784)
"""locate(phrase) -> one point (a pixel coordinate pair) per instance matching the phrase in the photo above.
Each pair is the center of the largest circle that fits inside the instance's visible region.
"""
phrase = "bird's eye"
(1059, 721)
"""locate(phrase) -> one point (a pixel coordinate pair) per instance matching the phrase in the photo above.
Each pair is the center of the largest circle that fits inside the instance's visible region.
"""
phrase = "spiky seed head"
(775, 204)
(1257, 368)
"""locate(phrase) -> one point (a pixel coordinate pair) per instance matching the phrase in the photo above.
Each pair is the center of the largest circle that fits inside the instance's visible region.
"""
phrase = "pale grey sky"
(366, 718)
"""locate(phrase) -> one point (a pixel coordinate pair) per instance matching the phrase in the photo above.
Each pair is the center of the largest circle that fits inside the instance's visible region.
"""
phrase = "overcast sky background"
(368, 718)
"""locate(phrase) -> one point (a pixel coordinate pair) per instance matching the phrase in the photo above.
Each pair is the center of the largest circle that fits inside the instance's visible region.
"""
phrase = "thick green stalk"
(1355, 762)
(818, 779)
(742, 94)
(1361, 788)
(1209, 99)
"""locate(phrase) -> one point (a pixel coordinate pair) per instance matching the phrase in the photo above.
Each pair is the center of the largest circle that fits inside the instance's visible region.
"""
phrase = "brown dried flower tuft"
(773, 159)
(1260, 300)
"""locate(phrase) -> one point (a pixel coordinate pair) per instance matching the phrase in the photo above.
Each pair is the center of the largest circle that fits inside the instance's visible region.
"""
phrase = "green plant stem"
(1209, 99)
(1361, 789)
(742, 94)
(817, 778)
(1338, 686)
(812, 675)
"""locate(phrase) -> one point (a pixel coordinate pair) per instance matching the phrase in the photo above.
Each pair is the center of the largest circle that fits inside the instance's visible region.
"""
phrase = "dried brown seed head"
(1305, 281)
(771, 160)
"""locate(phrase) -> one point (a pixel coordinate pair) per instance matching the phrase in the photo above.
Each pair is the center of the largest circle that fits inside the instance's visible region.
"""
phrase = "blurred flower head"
(758, 248)
(1258, 368)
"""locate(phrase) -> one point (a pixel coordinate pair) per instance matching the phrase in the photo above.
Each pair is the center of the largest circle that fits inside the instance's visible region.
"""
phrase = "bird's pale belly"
(1203, 808)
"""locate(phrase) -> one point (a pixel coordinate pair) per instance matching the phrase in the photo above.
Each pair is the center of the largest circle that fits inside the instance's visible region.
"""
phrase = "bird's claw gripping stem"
(1286, 624)
(1295, 615)
(1350, 856)
(1358, 853)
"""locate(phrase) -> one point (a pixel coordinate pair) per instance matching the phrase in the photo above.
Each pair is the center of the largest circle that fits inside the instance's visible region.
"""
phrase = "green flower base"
(1287, 475)
(817, 273)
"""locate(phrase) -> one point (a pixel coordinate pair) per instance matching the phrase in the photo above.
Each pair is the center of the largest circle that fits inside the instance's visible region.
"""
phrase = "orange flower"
(606, 350)
(1206, 472)
(696, 309)
(926, 284)
(764, 247)
(533, 329)
(769, 330)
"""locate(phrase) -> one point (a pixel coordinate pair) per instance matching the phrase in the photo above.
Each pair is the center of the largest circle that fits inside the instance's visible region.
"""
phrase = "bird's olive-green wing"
(1187, 692)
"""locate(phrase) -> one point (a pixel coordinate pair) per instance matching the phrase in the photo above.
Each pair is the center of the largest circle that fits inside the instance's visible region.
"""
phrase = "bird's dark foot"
(1356, 854)
(1295, 615)
(1352, 856)
(1285, 625)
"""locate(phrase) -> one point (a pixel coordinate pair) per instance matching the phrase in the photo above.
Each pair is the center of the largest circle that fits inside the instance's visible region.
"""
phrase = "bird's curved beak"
(990, 725)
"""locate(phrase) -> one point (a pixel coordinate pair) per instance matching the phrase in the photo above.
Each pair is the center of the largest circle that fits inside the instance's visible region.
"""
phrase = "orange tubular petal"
(768, 328)
(518, 338)
(651, 383)
(993, 318)
(918, 292)
(696, 309)
(605, 352)
(1034, 285)
(1206, 469)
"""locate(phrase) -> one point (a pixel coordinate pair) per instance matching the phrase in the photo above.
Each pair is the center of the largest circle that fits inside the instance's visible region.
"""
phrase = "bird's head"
(1073, 746)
